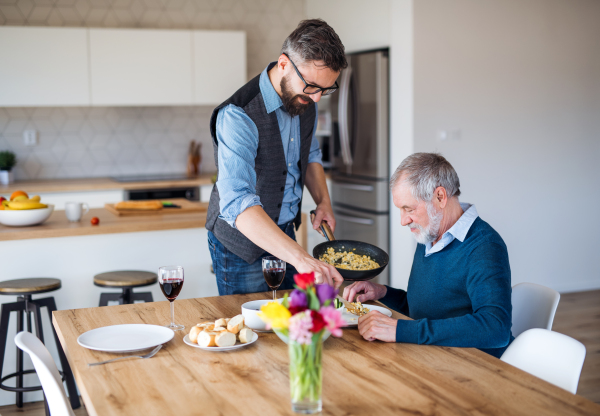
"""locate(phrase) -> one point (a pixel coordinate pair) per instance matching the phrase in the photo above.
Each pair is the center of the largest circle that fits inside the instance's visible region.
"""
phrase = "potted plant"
(8, 160)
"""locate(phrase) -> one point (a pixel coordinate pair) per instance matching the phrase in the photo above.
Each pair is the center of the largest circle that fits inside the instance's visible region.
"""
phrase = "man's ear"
(283, 62)
(441, 196)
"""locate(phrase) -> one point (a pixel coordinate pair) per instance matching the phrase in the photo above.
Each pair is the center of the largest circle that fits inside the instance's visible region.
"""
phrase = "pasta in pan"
(348, 260)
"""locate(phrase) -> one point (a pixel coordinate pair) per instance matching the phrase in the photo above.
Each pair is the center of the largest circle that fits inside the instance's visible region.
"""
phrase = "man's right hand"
(324, 273)
(365, 291)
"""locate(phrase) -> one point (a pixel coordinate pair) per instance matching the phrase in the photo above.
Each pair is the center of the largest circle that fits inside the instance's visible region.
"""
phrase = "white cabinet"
(219, 65)
(141, 67)
(43, 67)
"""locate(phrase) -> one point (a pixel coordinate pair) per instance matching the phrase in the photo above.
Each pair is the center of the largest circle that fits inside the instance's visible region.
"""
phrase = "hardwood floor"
(578, 316)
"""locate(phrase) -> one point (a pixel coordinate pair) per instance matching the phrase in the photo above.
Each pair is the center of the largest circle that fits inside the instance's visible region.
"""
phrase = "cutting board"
(187, 207)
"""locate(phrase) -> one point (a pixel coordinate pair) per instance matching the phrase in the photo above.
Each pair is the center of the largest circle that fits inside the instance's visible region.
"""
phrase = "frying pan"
(376, 254)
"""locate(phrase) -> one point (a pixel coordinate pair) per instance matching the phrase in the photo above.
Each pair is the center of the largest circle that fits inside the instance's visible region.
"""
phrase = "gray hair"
(315, 40)
(424, 172)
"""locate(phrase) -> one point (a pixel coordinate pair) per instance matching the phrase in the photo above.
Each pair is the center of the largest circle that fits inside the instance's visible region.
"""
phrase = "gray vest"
(270, 166)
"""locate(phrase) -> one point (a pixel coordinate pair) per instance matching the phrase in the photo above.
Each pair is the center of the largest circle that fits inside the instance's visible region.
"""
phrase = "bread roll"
(194, 333)
(225, 339)
(221, 322)
(235, 324)
(219, 329)
(246, 335)
(207, 339)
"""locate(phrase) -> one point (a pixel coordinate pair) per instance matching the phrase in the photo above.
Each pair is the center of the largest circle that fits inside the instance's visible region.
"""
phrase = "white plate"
(125, 338)
(186, 339)
(352, 320)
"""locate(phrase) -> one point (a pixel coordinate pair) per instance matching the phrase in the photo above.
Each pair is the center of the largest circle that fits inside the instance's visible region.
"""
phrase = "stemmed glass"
(274, 272)
(170, 279)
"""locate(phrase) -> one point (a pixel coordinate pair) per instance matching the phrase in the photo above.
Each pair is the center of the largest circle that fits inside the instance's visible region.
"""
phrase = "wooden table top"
(359, 377)
(58, 225)
(97, 184)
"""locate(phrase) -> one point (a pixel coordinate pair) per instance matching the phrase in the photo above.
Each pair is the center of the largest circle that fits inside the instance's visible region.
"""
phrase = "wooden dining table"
(359, 377)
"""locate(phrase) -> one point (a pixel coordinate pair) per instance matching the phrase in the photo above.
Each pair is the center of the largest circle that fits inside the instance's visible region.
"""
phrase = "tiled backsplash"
(103, 141)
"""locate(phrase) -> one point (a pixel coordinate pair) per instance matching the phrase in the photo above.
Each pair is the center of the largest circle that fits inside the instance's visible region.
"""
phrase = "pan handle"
(324, 227)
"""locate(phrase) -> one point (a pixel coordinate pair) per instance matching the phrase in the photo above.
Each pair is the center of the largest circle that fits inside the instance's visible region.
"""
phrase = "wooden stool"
(23, 289)
(126, 280)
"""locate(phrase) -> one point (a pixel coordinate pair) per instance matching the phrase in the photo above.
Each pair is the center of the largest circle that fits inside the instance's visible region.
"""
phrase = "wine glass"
(274, 272)
(170, 279)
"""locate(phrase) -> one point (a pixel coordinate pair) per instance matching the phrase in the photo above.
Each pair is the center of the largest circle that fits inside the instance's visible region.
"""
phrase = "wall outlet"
(30, 137)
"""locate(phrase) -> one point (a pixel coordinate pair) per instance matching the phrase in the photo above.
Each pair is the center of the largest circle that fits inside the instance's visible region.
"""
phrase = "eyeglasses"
(313, 89)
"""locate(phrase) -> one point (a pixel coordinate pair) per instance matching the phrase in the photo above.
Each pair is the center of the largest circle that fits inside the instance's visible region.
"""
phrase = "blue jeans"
(235, 276)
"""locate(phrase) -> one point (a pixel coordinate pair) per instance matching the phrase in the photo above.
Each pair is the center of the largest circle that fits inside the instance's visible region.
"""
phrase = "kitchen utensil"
(344, 301)
(358, 247)
(125, 338)
(194, 158)
(25, 217)
(186, 339)
(149, 355)
(186, 208)
(74, 210)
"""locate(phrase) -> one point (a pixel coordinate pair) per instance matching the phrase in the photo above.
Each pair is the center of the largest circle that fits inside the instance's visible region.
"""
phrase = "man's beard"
(290, 101)
(429, 233)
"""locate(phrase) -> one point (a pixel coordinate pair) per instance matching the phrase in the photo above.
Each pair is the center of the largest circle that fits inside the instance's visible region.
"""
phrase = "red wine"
(274, 277)
(171, 288)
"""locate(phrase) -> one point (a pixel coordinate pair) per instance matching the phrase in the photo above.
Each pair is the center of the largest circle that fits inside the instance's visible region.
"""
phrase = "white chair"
(533, 306)
(548, 355)
(47, 372)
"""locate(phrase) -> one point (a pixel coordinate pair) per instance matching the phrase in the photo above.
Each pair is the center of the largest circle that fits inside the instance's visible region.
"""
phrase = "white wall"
(521, 80)
(360, 24)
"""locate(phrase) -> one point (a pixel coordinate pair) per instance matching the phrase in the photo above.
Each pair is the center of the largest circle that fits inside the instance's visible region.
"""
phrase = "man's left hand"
(324, 212)
(376, 325)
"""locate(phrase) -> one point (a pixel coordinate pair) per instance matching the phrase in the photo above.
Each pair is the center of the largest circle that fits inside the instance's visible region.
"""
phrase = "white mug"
(73, 210)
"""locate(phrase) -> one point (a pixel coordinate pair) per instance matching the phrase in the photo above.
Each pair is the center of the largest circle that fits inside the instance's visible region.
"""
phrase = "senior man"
(459, 290)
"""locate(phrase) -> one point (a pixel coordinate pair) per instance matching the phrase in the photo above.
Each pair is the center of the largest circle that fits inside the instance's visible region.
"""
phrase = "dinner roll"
(246, 335)
(225, 339)
(207, 339)
(221, 322)
(194, 333)
(235, 324)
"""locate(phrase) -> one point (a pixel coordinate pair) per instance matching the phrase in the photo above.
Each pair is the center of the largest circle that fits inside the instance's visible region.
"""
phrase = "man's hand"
(376, 325)
(365, 291)
(324, 273)
(324, 212)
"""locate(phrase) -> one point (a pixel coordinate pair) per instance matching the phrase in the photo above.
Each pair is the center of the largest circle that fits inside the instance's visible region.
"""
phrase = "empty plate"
(125, 338)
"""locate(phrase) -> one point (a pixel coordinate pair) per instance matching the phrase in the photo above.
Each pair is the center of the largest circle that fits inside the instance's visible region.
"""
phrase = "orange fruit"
(18, 193)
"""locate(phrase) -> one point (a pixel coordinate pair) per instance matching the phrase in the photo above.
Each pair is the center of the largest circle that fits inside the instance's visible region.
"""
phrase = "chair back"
(553, 357)
(47, 373)
(533, 306)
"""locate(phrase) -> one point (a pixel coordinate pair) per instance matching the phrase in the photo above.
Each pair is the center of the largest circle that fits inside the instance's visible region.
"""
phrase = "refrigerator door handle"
(364, 188)
(355, 220)
(344, 124)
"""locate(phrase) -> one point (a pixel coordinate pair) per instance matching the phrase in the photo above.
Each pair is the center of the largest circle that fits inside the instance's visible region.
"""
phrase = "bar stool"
(126, 280)
(24, 289)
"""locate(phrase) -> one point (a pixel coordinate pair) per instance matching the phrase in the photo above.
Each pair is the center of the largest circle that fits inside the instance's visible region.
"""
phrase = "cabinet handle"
(364, 188)
(355, 220)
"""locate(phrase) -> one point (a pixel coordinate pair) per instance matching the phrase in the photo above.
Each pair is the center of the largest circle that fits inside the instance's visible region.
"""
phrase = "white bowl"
(250, 312)
(25, 217)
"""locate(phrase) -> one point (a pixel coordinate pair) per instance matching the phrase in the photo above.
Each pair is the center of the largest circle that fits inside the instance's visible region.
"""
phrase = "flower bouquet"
(303, 317)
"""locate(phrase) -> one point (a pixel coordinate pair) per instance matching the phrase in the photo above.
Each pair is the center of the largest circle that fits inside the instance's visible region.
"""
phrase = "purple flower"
(298, 300)
(325, 293)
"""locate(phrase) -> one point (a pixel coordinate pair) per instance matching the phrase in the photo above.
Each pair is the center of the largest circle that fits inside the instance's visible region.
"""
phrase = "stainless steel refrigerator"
(358, 151)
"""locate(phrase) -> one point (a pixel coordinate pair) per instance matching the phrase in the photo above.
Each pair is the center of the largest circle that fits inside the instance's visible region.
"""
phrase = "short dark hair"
(315, 40)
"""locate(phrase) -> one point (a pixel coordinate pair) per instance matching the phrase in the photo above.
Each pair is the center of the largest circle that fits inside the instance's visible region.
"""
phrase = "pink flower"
(300, 325)
(333, 320)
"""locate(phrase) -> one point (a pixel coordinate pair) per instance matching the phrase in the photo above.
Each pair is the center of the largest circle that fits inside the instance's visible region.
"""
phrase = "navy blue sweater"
(460, 296)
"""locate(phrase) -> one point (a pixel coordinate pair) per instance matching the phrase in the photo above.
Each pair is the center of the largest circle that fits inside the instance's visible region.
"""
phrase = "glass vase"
(306, 375)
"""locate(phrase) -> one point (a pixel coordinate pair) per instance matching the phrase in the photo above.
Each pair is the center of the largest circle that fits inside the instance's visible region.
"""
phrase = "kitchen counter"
(96, 184)
(58, 225)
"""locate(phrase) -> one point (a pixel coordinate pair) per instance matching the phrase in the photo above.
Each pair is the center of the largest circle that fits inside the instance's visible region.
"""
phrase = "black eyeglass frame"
(323, 91)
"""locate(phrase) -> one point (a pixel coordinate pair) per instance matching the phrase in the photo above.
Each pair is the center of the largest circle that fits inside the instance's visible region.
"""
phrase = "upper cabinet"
(141, 67)
(43, 67)
(219, 65)
(119, 67)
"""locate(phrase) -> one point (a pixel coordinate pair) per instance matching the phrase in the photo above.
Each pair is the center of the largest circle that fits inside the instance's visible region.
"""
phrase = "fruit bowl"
(25, 217)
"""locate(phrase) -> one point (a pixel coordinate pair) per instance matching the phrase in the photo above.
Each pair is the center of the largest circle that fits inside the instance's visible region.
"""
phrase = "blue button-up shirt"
(237, 136)
(459, 230)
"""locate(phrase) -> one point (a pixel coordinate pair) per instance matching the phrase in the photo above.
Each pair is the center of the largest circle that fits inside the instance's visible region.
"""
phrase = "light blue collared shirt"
(459, 230)
(237, 136)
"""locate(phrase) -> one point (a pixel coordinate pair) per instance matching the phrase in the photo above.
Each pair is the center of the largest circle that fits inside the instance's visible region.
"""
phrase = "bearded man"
(266, 152)
(459, 290)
